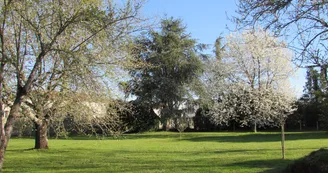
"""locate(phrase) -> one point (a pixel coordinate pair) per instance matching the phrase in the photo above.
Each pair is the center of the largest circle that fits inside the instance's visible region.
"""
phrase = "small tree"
(282, 106)
(239, 103)
(182, 123)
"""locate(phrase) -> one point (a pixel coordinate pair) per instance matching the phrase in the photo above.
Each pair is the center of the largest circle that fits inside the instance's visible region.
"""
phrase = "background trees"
(174, 64)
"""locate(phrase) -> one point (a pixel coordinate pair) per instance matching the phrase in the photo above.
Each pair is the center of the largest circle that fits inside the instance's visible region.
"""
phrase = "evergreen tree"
(174, 65)
(313, 81)
(314, 98)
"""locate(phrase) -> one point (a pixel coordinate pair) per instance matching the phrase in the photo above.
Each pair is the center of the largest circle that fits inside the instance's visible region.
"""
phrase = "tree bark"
(7, 128)
(36, 135)
(41, 138)
(283, 141)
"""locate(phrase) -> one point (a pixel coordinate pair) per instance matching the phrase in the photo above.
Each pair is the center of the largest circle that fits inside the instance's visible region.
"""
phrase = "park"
(110, 86)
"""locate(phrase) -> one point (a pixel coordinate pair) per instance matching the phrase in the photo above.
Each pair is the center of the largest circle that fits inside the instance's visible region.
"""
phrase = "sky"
(206, 20)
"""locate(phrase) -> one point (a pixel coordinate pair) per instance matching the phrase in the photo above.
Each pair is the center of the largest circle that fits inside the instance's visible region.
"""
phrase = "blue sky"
(205, 20)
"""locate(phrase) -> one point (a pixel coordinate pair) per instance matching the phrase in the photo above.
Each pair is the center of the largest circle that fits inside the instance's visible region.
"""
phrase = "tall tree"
(312, 82)
(174, 64)
(35, 34)
(313, 100)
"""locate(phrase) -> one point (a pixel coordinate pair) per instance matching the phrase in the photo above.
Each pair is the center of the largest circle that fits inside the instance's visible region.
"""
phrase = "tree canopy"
(255, 68)
(304, 22)
(174, 64)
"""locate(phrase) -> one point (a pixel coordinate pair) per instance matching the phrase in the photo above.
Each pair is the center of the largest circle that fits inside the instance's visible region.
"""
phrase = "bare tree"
(304, 22)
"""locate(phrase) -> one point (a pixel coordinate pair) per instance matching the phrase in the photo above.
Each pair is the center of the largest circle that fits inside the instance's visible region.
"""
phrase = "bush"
(140, 119)
(316, 162)
(202, 121)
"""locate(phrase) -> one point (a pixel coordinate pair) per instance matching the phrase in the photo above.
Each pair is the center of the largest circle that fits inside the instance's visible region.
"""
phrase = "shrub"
(315, 162)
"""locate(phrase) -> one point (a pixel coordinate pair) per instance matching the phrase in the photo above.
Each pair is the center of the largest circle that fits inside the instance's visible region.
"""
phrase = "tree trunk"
(41, 139)
(7, 128)
(36, 135)
(300, 125)
(317, 125)
(164, 126)
(254, 127)
(283, 141)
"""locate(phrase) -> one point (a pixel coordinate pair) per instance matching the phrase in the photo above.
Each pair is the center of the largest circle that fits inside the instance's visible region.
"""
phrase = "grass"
(164, 152)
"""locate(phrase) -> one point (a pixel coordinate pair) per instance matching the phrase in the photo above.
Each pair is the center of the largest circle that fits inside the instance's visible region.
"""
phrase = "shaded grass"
(164, 152)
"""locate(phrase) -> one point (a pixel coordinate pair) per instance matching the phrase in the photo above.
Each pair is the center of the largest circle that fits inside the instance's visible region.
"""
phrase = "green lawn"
(164, 152)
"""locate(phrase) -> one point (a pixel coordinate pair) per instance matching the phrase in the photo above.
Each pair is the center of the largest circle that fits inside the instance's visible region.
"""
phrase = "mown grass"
(164, 152)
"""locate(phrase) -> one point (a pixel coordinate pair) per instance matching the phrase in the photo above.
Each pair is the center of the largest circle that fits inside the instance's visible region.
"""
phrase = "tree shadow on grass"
(271, 166)
(158, 135)
(258, 150)
(273, 137)
(215, 136)
(21, 150)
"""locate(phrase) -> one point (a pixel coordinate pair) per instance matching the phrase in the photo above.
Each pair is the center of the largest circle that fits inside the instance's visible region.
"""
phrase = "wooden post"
(283, 140)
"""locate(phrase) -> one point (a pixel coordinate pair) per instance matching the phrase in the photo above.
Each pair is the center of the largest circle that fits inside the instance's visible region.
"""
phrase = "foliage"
(323, 112)
(314, 85)
(250, 82)
(313, 103)
(62, 126)
(141, 118)
(246, 105)
(174, 67)
(258, 59)
(202, 121)
(23, 127)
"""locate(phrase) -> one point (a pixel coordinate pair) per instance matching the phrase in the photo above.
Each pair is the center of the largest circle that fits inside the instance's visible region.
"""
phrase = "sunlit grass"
(164, 152)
